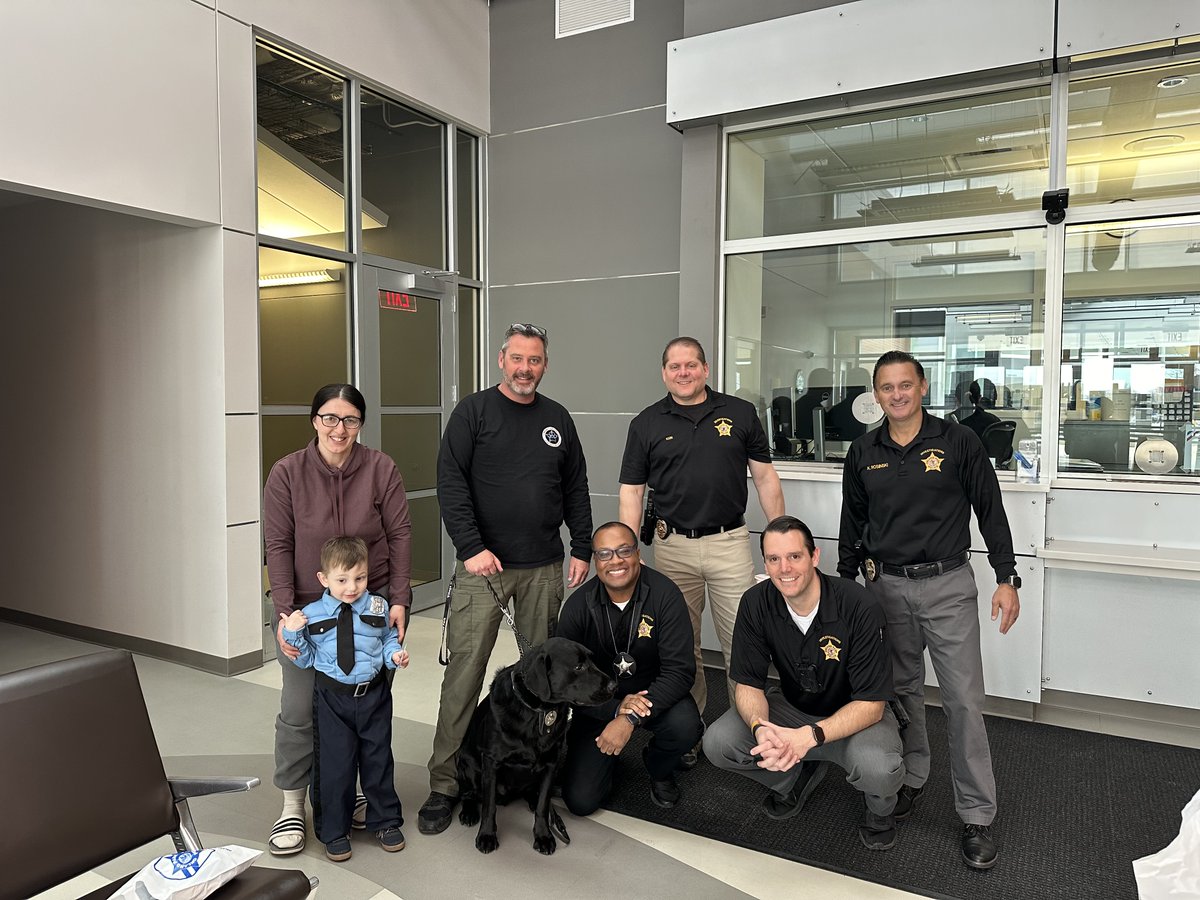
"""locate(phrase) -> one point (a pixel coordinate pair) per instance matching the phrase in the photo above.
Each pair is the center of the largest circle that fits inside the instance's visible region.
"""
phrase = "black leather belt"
(928, 569)
(340, 687)
(705, 532)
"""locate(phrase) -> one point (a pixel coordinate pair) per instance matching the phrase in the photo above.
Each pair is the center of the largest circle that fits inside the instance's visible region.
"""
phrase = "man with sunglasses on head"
(510, 472)
(826, 638)
(635, 624)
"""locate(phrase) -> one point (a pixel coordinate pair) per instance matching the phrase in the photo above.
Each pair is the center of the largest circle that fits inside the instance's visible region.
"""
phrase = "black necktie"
(345, 638)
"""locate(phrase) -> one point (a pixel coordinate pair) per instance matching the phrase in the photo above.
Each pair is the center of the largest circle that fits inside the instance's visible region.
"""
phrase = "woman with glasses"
(333, 487)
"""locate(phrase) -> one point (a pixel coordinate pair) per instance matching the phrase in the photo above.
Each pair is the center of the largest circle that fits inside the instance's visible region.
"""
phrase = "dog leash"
(444, 650)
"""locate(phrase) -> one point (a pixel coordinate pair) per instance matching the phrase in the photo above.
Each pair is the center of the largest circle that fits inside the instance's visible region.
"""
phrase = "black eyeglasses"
(352, 423)
(525, 329)
(624, 552)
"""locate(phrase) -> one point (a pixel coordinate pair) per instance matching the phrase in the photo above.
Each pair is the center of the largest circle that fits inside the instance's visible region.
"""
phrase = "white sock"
(293, 803)
(293, 806)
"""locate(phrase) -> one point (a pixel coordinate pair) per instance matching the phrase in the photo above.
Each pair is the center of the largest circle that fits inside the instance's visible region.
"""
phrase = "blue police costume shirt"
(373, 644)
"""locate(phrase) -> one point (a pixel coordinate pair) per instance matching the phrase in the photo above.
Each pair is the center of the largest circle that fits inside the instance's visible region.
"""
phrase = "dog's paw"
(469, 814)
(545, 845)
(487, 843)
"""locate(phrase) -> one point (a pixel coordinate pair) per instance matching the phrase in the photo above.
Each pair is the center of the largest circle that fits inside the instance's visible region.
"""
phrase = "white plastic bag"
(191, 875)
(1174, 871)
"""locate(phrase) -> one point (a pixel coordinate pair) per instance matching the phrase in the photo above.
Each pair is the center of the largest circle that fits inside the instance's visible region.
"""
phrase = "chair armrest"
(185, 786)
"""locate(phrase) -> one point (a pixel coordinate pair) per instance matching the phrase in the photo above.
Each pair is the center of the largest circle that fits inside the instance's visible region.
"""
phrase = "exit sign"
(397, 300)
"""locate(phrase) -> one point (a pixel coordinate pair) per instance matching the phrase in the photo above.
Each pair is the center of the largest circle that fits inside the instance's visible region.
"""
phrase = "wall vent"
(577, 16)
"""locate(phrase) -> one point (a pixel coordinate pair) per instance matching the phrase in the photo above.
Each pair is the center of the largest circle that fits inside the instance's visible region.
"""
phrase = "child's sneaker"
(339, 850)
(391, 839)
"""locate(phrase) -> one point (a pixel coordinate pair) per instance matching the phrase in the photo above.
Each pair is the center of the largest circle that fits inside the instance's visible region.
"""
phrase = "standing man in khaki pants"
(692, 448)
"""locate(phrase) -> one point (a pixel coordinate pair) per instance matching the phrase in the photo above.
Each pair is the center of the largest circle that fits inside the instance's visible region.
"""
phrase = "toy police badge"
(378, 606)
(870, 569)
(660, 528)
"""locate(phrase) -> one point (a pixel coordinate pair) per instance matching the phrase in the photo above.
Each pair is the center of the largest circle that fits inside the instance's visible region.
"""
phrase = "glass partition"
(301, 151)
(805, 326)
(467, 204)
(1134, 136)
(1131, 350)
(304, 322)
(939, 160)
(403, 177)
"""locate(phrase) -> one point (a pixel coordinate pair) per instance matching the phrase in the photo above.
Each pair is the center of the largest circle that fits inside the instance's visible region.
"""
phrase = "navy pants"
(587, 774)
(352, 735)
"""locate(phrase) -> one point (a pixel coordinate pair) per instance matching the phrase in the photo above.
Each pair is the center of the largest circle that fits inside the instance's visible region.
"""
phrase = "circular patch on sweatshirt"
(552, 437)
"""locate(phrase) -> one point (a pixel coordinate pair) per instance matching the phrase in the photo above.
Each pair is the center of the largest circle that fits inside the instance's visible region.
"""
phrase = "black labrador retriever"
(517, 738)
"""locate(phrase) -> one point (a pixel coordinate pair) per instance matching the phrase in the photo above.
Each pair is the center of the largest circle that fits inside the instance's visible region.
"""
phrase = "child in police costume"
(346, 638)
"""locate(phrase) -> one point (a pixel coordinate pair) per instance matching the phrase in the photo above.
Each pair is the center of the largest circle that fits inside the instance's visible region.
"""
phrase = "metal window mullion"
(484, 309)
(723, 262)
(352, 173)
(1056, 244)
(932, 229)
(290, 246)
(450, 187)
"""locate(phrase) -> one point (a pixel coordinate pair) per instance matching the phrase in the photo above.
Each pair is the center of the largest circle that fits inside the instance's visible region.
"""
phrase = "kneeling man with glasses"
(827, 639)
(634, 622)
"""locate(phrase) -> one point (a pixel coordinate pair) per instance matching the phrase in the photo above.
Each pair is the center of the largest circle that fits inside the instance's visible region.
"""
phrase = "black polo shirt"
(913, 504)
(697, 469)
(846, 644)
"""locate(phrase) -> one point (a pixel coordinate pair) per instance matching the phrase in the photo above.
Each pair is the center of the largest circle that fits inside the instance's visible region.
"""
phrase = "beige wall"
(115, 495)
(138, 497)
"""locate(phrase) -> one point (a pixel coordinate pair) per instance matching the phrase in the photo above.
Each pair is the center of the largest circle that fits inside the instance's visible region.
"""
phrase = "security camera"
(1055, 204)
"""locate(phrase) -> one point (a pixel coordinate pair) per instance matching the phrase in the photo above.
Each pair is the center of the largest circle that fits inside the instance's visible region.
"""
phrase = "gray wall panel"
(585, 200)
(537, 80)
(603, 437)
(703, 16)
(606, 338)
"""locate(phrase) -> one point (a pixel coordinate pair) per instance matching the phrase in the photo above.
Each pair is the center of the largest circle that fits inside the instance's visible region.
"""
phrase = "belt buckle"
(919, 571)
(362, 687)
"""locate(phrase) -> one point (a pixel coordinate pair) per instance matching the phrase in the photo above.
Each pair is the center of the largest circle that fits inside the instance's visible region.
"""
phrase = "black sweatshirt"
(508, 475)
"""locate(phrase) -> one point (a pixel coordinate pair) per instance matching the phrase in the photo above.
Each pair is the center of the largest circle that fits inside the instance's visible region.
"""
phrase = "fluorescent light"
(953, 259)
(284, 279)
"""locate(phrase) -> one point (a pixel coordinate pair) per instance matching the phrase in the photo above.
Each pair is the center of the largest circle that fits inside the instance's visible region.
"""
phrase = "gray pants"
(470, 636)
(293, 726)
(942, 614)
(871, 758)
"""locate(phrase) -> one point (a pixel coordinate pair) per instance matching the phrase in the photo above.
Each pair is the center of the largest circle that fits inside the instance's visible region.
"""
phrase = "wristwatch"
(818, 733)
(1014, 580)
(633, 719)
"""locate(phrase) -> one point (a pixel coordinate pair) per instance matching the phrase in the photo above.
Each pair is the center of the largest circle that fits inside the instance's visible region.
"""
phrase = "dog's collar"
(546, 716)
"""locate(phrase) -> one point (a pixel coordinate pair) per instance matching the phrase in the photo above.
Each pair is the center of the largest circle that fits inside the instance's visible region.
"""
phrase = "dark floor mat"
(1075, 809)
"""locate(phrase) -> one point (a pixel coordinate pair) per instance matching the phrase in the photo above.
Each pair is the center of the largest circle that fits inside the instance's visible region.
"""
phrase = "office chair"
(998, 441)
(781, 425)
(85, 782)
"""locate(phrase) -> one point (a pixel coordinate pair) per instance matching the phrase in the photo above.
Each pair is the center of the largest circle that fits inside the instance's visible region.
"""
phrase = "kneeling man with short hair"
(635, 624)
(827, 640)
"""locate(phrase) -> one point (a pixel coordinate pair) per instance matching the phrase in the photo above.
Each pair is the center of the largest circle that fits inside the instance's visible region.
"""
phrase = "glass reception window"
(1134, 136)
(804, 328)
(967, 156)
(1130, 368)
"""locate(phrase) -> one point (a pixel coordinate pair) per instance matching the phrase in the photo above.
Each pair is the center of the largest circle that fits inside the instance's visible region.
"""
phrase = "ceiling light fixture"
(953, 259)
(1173, 81)
(1154, 142)
(286, 279)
